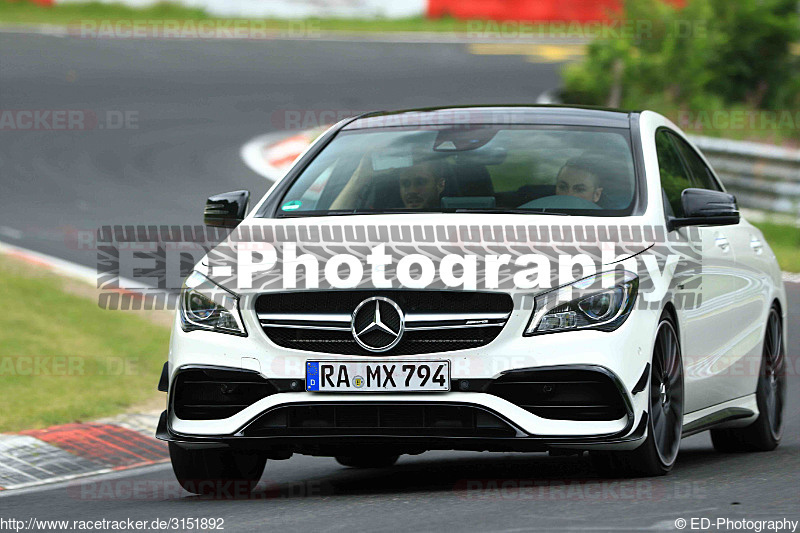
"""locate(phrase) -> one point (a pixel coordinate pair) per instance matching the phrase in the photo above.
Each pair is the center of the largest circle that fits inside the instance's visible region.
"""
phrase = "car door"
(751, 287)
(703, 297)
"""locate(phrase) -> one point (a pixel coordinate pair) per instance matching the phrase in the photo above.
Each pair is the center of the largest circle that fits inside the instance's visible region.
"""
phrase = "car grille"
(435, 321)
(564, 394)
(378, 420)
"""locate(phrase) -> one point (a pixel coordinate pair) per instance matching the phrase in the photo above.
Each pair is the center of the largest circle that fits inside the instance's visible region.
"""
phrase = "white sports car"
(479, 278)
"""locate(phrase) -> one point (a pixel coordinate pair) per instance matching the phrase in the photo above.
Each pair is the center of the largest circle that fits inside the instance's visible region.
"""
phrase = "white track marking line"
(60, 266)
(789, 277)
(107, 474)
(53, 480)
(11, 233)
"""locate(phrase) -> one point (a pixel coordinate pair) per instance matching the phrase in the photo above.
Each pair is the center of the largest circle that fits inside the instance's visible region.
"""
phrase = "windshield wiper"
(501, 211)
(342, 212)
(302, 214)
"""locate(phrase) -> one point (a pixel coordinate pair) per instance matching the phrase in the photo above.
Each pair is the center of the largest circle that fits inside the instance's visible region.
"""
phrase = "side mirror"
(702, 207)
(226, 210)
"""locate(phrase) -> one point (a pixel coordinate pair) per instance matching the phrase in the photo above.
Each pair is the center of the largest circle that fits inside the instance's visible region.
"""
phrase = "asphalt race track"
(194, 104)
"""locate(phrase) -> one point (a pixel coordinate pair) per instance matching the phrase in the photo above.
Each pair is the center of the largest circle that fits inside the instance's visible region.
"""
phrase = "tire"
(367, 460)
(216, 471)
(765, 433)
(657, 454)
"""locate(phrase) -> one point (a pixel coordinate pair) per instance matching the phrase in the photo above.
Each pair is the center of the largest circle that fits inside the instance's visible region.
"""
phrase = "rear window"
(568, 170)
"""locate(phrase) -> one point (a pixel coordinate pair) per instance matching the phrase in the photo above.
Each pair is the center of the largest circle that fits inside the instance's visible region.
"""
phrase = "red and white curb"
(61, 453)
(272, 154)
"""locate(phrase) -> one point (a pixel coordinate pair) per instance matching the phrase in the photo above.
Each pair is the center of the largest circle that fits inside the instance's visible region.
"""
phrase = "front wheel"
(764, 434)
(216, 471)
(657, 454)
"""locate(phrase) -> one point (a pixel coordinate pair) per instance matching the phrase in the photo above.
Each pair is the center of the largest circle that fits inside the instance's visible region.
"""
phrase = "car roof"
(496, 115)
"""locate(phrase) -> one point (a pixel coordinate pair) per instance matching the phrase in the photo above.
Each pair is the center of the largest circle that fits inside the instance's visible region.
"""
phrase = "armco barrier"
(762, 176)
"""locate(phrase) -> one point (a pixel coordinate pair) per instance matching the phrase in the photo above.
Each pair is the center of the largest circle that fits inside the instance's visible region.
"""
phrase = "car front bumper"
(623, 356)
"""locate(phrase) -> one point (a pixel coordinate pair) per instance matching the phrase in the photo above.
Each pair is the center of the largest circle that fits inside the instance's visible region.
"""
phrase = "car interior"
(478, 171)
(471, 187)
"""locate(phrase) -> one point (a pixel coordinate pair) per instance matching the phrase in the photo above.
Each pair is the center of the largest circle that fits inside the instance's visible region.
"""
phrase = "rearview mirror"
(703, 207)
(226, 210)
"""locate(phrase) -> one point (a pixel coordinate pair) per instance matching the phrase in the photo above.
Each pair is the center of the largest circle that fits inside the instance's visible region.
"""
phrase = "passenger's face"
(580, 183)
(420, 189)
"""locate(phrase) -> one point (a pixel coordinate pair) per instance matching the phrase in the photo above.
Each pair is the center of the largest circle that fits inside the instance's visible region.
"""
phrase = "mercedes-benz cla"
(481, 278)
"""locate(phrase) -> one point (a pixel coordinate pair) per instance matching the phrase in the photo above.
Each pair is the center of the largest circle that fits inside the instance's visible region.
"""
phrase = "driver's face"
(580, 183)
(420, 189)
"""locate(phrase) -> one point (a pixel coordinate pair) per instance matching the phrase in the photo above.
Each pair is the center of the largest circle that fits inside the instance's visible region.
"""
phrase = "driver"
(580, 177)
(421, 185)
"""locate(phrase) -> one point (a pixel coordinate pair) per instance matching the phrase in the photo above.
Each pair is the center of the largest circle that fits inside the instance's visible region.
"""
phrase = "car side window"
(703, 178)
(674, 176)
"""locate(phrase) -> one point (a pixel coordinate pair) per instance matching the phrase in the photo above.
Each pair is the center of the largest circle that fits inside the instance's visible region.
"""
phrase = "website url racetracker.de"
(128, 524)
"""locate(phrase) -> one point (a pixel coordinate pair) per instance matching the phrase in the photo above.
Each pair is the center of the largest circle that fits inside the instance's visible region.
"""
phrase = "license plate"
(377, 376)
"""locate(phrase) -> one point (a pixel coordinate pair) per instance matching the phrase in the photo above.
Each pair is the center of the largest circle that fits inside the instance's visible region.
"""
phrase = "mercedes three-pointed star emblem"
(379, 311)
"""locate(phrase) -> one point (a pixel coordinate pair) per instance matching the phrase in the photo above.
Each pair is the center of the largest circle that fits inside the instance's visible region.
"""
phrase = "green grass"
(785, 242)
(23, 12)
(64, 359)
(26, 12)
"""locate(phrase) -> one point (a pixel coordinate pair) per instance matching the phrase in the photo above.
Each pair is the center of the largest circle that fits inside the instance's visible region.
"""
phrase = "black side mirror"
(226, 210)
(702, 207)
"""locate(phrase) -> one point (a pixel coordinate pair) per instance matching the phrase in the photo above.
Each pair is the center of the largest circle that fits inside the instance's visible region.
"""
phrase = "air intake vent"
(208, 394)
(380, 420)
(562, 394)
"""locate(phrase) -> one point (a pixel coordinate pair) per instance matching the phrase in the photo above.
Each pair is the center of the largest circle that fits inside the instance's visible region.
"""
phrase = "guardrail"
(762, 176)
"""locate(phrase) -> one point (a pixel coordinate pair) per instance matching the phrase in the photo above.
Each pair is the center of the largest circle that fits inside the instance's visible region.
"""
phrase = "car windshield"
(516, 169)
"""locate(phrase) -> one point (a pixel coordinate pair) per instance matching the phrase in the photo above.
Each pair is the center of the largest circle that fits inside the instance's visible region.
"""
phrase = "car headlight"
(602, 301)
(206, 305)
